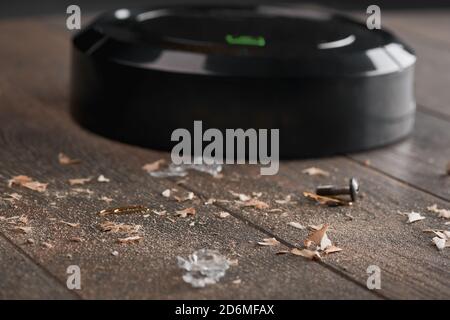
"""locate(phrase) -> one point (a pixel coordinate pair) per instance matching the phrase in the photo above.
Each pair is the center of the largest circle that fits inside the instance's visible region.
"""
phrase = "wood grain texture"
(21, 278)
(376, 235)
(35, 127)
(147, 269)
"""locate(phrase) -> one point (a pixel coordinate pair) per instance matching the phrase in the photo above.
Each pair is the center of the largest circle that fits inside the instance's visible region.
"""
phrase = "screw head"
(354, 188)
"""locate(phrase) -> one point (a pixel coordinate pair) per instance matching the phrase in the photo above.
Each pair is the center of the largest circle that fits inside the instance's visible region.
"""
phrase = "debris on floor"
(102, 178)
(223, 214)
(297, 225)
(269, 242)
(443, 213)
(66, 160)
(79, 181)
(27, 182)
(313, 171)
(414, 216)
(166, 193)
(181, 170)
(286, 200)
(203, 267)
(124, 210)
(186, 212)
(130, 239)
(306, 253)
(71, 224)
(328, 201)
(113, 227)
(440, 243)
(153, 166)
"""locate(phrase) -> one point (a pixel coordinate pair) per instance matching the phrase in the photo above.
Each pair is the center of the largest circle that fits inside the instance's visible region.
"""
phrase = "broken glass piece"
(180, 170)
(203, 267)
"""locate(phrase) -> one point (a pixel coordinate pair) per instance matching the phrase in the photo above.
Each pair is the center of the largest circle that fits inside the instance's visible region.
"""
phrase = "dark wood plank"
(21, 278)
(420, 160)
(378, 234)
(148, 269)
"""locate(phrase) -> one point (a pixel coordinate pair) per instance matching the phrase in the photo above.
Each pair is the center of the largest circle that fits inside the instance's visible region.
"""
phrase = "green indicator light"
(245, 40)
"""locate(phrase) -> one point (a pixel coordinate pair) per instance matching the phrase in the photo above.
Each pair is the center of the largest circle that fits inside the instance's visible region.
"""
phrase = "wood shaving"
(166, 193)
(281, 252)
(12, 197)
(319, 238)
(189, 196)
(414, 216)
(313, 171)
(240, 196)
(114, 227)
(223, 214)
(331, 202)
(443, 213)
(269, 242)
(48, 245)
(296, 225)
(153, 166)
(27, 182)
(106, 199)
(439, 243)
(237, 281)
(102, 178)
(186, 212)
(23, 230)
(130, 239)
(286, 200)
(66, 160)
(255, 203)
(78, 181)
(306, 253)
(76, 239)
(82, 190)
(257, 194)
(159, 213)
(332, 249)
(124, 210)
(210, 201)
(71, 224)
(275, 210)
(115, 253)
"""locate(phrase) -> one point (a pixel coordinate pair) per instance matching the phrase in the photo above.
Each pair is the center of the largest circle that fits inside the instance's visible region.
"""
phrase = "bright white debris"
(203, 267)
(414, 216)
(440, 243)
(166, 193)
(180, 170)
(297, 225)
(102, 178)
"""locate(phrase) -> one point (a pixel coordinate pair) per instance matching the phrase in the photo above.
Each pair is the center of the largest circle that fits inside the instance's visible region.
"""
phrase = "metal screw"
(330, 190)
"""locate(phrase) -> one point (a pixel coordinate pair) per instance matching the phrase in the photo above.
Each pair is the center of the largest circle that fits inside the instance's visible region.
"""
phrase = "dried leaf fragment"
(443, 213)
(331, 202)
(186, 212)
(153, 166)
(269, 242)
(27, 182)
(66, 160)
(313, 171)
(78, 181)
(306, 253)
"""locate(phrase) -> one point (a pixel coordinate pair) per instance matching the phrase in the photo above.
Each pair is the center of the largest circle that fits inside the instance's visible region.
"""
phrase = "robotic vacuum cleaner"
(327, 82)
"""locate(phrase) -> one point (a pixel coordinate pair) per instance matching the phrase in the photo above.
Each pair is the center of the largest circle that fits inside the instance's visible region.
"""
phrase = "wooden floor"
(35, 126)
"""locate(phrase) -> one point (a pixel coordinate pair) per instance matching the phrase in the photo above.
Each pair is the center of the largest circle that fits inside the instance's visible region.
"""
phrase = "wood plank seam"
(40, 267)
(283, 241)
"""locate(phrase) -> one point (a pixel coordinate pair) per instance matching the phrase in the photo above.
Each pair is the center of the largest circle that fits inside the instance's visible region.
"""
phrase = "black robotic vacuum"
(327, 82)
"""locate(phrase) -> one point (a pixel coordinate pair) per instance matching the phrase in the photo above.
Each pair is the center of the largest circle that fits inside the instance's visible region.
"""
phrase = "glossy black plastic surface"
(327, 82)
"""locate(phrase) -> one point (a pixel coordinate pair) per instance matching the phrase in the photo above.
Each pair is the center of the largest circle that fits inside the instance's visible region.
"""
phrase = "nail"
(330, 190)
